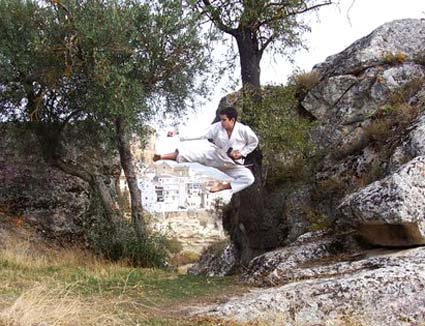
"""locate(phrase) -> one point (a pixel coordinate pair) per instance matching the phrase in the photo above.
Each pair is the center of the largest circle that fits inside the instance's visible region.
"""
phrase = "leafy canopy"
(64, 61)
(267, 22)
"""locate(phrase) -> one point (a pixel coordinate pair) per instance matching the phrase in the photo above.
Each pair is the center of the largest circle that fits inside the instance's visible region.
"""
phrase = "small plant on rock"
(394, 58)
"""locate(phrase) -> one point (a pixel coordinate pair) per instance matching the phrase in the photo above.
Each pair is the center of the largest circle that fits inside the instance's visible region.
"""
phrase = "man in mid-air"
(231, 142)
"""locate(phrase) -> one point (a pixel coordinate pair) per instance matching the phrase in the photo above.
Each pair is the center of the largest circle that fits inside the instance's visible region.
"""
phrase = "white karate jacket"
(242, 138)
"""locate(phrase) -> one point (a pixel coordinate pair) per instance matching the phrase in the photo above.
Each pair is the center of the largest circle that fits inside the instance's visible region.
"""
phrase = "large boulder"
(372, 287)
(276, 267)
(390, 211)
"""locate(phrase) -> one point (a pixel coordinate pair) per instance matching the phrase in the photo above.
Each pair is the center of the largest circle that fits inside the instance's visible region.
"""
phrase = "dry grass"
(395, 58)
(43, 306)
(304, 82)
(44, 285)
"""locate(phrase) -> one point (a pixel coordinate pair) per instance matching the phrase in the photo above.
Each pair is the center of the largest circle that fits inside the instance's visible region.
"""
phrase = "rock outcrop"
(356, 83)
(372, 287)
(390, 212)
(53, 201)
(216, 261)
(369, 105)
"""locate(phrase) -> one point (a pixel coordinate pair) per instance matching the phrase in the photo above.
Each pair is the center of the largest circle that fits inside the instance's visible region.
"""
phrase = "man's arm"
(251, 141)
(209, 133)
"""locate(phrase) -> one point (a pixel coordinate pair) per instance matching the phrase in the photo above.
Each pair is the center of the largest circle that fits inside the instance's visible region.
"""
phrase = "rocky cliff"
(368, 103)
(54, 202)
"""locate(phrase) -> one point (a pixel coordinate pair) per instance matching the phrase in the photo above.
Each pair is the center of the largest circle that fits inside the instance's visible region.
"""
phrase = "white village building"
(169, 187)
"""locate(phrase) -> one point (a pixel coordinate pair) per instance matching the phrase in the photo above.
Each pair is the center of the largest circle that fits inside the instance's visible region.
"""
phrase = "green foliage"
(317, 220)
(284, 134)
(270, 22)
(95, 60)
(120, 242)
(93, 63)
(150, 252)
(257, 26)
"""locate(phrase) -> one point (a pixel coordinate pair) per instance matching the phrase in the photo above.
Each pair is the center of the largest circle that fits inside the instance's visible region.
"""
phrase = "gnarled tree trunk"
(126, 159)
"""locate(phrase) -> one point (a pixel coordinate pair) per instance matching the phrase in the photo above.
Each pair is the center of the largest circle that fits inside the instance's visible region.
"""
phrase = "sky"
(333, 29)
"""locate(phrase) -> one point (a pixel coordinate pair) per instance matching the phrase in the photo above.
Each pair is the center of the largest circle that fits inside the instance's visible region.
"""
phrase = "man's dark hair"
(230, 112)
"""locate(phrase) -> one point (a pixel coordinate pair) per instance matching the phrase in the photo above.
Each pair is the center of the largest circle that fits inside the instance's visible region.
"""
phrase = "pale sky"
(333, 30)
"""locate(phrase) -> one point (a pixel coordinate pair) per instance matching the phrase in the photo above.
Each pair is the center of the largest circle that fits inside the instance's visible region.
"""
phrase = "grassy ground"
(49, 286)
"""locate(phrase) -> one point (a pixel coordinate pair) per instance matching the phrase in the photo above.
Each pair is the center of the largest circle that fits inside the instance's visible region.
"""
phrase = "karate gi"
(215, 154)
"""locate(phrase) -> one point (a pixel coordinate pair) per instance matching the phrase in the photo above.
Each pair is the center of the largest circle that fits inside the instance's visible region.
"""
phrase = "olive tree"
(110, 64)
(258, 25)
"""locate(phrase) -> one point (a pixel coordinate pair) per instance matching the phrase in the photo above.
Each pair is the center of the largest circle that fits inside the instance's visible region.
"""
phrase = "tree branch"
(215, 18)
(267, 43)
(283, 14)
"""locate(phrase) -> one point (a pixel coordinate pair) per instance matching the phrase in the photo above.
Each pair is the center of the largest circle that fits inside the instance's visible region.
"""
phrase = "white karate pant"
(214, 157)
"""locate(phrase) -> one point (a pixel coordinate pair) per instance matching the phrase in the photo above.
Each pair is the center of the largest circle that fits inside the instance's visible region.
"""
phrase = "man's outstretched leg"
(169, 156)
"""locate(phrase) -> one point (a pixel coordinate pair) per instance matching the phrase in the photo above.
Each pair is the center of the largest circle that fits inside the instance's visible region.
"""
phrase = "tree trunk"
(126, 159)
(246, 225)
(250, 58)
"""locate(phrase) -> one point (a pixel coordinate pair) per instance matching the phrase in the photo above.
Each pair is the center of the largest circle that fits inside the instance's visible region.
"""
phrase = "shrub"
(394, 58)
(303, 82)
(317, 220)
(378, 129)
(403, 94)
(152, 251)
(330, 188)
(174, 246)
(120, 242)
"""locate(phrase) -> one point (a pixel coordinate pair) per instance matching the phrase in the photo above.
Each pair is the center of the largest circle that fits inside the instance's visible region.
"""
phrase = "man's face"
(226, 123)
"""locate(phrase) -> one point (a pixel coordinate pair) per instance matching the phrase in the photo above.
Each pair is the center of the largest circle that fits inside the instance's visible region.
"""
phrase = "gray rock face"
(219, 263)
(52, 200)
(55, 202)
(413, 145)
(390, 212)
(372, 288)
(406, 36)
(356, 83)
(276, 267)
(356, 87)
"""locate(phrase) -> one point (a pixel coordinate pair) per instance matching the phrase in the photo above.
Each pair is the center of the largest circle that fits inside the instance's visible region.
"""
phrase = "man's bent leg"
(242, 178)
(220, 186)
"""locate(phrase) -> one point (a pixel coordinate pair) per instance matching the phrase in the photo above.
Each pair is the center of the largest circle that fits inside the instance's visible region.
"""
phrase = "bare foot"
(219, 186)
(156, 157)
